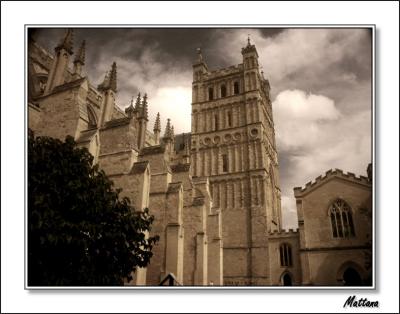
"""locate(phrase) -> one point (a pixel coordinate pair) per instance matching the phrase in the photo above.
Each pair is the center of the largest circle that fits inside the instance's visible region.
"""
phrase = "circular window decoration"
(227, 137)
(217, 140)
(237, 136)
(254, 132)
(207, 141)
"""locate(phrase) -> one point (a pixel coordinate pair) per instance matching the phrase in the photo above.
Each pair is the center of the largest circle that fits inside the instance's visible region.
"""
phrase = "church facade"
(215, 191)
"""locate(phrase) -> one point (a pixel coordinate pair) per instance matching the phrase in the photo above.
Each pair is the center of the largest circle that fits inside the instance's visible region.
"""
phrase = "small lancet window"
(225, 163)
(236, 88)
(223, 91)
(229, 119)
(210, 94)
(216, 122)
(285, 253)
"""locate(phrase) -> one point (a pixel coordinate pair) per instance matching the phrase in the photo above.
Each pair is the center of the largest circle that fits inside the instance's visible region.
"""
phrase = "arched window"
(91, 117)
(287, 280)
(285, 253)
(210, 93)
(223, 91)
(341, 219)
(216, 122)
(236, 88)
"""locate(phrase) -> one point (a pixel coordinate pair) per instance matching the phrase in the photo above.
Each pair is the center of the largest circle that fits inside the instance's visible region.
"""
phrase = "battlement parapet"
(223, 72)
(298, 191)
(284, 233)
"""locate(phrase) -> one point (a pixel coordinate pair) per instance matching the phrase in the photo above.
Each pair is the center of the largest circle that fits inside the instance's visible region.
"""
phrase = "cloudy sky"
(320, 84)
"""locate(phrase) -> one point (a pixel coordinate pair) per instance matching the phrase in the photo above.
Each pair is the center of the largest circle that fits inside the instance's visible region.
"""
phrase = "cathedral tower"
(233, 144)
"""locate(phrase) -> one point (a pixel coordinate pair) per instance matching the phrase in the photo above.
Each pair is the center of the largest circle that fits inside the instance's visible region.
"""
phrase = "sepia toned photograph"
(200, 157)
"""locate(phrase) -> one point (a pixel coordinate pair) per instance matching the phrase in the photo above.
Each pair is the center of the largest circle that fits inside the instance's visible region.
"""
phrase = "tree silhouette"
(80, 231)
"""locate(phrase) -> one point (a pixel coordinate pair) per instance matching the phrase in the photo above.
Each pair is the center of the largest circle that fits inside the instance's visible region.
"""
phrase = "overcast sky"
(320, 84)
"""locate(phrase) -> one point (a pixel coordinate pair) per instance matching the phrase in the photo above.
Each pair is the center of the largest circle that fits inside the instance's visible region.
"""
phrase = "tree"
(80, 231)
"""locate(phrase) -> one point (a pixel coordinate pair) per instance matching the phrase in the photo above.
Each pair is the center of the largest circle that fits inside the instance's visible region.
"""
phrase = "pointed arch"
(92, 117)
(286, 279)
(351, 274)
(340, 215)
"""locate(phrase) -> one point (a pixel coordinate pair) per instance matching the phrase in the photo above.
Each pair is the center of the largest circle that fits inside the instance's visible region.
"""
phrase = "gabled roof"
(329, 175)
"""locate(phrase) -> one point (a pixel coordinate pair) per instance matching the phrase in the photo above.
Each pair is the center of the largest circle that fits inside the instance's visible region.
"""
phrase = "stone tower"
(233, 144)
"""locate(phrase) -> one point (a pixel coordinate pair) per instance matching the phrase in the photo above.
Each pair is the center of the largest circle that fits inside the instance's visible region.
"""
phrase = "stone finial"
(130, 110)
(67, 42)
(248, 40)
(113, 77)
(144, 113)
(80, 56)
(157, 124)
(172, 132)
(168, 132)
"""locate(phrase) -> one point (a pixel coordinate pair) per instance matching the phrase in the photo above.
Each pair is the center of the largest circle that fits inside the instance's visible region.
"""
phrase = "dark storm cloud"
(320, 79)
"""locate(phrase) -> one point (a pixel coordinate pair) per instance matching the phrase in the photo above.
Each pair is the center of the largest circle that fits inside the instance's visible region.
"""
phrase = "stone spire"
(199, 55)
(144, 112)
(172, 132)
(138, 102)
(80, 56)
(113, 77)
(157, 124)
(168, 131)
(79, 61)
(110, 79)
(67, 42)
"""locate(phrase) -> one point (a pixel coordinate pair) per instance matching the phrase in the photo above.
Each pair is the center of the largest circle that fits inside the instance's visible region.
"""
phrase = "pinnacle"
(113, 77)
(80, 56)
(157, 124)
(67, 42)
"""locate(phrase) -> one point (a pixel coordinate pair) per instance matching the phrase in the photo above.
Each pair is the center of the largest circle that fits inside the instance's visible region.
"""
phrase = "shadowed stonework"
(215, 192)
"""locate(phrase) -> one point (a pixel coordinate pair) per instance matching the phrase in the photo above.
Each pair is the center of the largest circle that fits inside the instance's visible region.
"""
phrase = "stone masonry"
(215, 191)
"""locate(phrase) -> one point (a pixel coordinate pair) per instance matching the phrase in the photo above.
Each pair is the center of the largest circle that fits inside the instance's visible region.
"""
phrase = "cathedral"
(214, 192)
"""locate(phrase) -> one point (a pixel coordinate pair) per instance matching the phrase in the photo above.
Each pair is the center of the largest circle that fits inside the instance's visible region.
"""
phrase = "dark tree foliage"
(80, 232)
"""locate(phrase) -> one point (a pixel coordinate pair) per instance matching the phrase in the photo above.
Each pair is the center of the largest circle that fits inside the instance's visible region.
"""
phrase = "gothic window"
(223, 91)
(229, 119)
(341, 219)
(225, 163)
(236, 88)
(216, 122)
(285, 253)
(210, 94)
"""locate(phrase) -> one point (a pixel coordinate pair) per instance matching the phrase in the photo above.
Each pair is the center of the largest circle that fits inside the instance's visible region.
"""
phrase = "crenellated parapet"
(330, 174)
(284, 233)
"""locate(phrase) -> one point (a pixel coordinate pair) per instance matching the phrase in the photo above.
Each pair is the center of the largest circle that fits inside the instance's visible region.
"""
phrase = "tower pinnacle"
(168, 131)
(138, 102)
(113, 77)
(80, 56)
(144, 113)
(157, 124)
